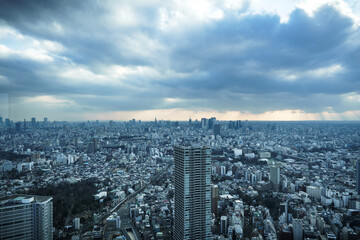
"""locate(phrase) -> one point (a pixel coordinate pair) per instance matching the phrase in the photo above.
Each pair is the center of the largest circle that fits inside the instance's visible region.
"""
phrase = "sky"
(230, 59)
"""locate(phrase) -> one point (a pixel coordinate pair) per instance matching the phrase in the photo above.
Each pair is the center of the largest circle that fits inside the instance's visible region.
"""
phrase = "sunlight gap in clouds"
(124, 72)
(284, 8)
(8, 32)
(310, 6)
(182, 115)
(81, 75)
(29, 53)
(352, 97)
(46, 99)
(23, 46)
(188, 13)
(324, 72)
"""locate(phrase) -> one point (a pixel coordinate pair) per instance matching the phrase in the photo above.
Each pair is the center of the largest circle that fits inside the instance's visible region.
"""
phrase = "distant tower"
(275, 177)
(192, 192)
(358, 177)
(33, 122)
(238, 124)
(214, 199)
(224, 224)
(95, 144)
(76, 223)
(284, 210)
(204, 123)
(7, 122)
(217, 129)
(17, 126)
(297, 229)
(211, 122)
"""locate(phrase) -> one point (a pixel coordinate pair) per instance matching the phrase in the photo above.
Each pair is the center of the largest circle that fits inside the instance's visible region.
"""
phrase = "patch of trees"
(12, 156)
(272, 203)
(13, 174)
(220, 178)
(354, 147)
(251, 161)
(70, 199)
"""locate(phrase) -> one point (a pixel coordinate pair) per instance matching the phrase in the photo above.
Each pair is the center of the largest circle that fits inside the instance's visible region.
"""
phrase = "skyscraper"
(204, 123)
(45, 121)
(238, 124)
(224, 225)
(358, 177)
(7, 122)
(33, 122)
(17, 126)
(211, 122)
(192, 192)
(214, 199)
(297, 229)
(217, 129)
(26, 217)
(275, 176)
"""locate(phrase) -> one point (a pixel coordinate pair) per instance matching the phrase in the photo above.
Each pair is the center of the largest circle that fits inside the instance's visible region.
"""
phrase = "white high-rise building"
(275, 177)
(224, 224)
(192, 192)
(76, 223)
(26, 217)
(358, 177)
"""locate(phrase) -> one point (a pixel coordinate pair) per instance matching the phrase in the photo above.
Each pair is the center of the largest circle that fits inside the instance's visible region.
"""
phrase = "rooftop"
(22, 199)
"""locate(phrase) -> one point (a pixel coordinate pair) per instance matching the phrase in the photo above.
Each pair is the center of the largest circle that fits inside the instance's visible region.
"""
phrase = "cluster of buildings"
(227, 180)
(151, 212)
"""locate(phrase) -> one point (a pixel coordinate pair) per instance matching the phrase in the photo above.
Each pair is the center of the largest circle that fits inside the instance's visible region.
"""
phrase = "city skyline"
(180, 180)
(183, 121)
(255, 60)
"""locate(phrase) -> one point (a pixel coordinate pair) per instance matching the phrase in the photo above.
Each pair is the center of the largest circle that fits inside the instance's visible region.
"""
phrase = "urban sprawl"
(196, 179)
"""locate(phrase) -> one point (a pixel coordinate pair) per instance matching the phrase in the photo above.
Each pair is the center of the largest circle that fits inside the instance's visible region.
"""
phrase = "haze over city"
(256, 60)
(180, 119)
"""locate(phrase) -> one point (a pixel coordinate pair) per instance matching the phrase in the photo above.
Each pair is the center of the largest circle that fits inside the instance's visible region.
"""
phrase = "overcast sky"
(255, 60)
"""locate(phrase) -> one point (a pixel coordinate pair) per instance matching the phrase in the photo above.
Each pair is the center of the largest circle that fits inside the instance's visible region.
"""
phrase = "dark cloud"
(325, 31)
(241, 62)
(304, 43)
(86, 29)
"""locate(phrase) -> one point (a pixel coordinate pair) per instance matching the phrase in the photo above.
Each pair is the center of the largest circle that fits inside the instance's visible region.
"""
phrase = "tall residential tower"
(358, 177)
(192, 192)
(26, 217)
(275, 177)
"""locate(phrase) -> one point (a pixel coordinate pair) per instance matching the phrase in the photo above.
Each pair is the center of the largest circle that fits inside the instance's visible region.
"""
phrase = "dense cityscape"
(180, 120)
(120, 180)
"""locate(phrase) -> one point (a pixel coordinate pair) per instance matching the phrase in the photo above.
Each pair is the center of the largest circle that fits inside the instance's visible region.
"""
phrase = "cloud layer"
(74, 59)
